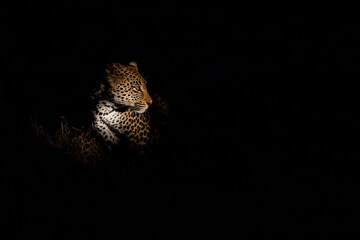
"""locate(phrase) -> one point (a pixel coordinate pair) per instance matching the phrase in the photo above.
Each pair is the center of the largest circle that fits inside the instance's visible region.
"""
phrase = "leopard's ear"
(134, 64)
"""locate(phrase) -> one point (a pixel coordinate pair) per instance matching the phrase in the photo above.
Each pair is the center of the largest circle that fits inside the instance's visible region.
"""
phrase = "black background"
(267, 142)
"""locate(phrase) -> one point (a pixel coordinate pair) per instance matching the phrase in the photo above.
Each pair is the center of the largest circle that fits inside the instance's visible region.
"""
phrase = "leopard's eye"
(137, 88)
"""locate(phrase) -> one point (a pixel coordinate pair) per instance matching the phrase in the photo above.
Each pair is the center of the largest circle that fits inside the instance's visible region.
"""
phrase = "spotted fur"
(121, 108)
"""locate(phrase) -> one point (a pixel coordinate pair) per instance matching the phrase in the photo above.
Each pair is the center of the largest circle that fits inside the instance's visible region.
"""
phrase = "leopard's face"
(128, 87)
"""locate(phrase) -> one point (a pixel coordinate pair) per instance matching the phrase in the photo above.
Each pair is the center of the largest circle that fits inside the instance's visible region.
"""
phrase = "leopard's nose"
(149, 102)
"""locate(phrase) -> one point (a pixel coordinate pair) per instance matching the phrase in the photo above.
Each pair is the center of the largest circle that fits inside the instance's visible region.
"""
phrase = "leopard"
(124, 109)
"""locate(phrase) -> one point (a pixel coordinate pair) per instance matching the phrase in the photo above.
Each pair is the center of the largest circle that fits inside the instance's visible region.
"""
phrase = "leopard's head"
(128, 87)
